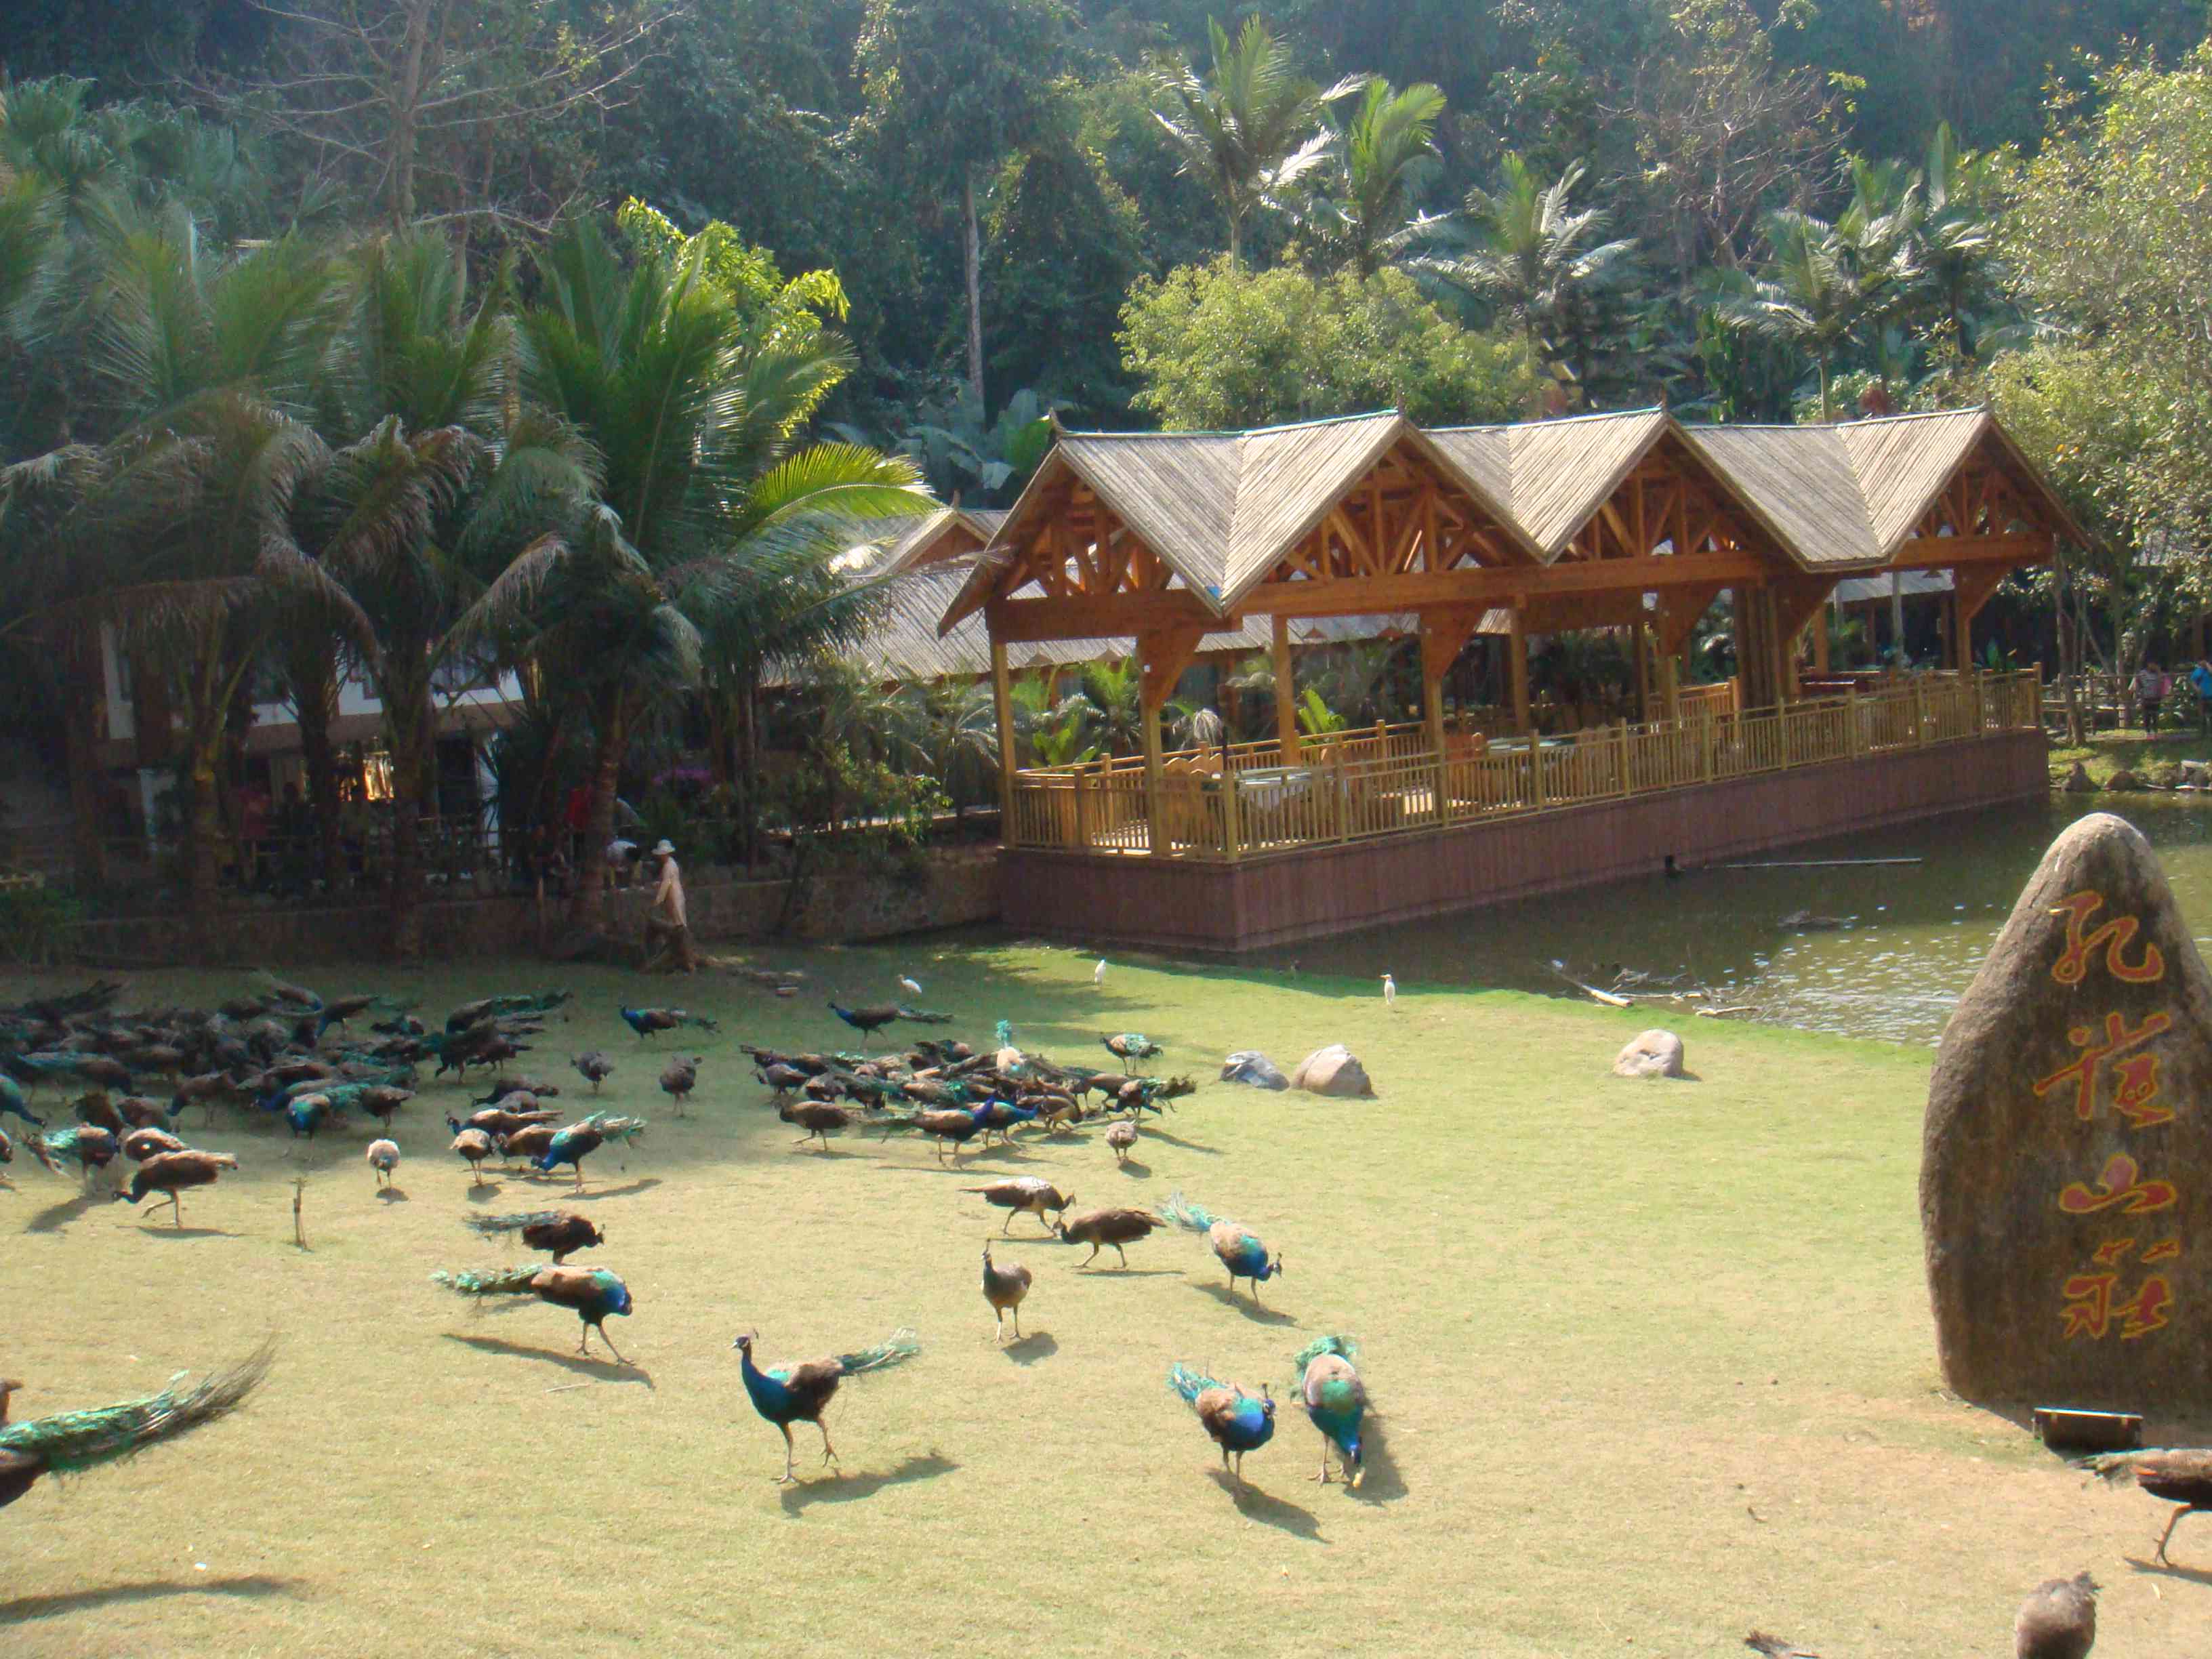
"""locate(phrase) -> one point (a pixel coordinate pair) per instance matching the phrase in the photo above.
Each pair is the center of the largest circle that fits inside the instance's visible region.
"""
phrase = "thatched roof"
(1550, 476)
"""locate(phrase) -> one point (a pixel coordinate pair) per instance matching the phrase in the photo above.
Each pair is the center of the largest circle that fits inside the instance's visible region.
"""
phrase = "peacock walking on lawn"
(1238, 1249)
(1335, 1399)
(504, 1008)
(561, 1233)
(578, 1141)
(867, 1021)
(593, 1293)
(170, 1173)
(73, 1442)
(12, 1099)
(647, 1022)
(785, 1395)
(1235, 1421)
(1130, 1045)
(88, 1147)
(2179, 1475)
(1004, 1289)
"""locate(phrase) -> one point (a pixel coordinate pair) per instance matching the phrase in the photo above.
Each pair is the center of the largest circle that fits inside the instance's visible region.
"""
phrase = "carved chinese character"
(2090, 1310)
(2119, 1039)
(2120, 1183)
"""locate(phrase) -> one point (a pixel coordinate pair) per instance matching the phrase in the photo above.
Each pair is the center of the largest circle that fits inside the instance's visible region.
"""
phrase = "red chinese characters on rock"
(2093, 1307)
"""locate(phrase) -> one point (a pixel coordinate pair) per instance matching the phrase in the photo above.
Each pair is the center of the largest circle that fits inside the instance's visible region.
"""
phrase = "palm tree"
(1362, 208)
(1538, 262)
(1824, 284)
(212, 360)
(960, 735)
(1247, 130)
(698, 502)
(1956, 252)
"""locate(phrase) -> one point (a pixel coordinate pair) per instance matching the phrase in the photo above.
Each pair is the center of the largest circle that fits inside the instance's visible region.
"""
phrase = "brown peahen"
(172, 1173)
(1025, 1195)
(2058, 1621)
(679, 1078)
(2179, 1475)
(1004, 1289)
(1099, 1228)
(818, 1118)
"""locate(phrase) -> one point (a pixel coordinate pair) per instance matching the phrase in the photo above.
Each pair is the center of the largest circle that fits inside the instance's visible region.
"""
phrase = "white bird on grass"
(1390, 992)
(1098, 974)
(908, 986)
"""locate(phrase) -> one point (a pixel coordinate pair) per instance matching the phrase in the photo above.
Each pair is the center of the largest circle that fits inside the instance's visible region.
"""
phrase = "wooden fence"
(1387, 780)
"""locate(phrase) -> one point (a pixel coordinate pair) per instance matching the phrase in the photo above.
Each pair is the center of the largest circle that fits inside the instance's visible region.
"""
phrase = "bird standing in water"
(785, 1395)
(594, 1294)
(1335, 1399)
(1235, 1421)
(1004, 1289)
(73, 1442)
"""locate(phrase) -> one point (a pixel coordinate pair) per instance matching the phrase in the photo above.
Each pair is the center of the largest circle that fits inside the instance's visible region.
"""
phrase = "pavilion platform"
(1361, 843)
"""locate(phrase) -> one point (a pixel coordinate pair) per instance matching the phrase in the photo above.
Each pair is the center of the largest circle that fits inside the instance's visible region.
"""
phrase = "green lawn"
(1652, 1361)
(2154, 755)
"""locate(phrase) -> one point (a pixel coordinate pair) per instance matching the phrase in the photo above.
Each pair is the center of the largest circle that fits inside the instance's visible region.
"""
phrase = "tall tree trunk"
(413, 778)
(971, 250)
(84, 693)
(313, 675)
(609, 739)
(405, 101)
(203, 741)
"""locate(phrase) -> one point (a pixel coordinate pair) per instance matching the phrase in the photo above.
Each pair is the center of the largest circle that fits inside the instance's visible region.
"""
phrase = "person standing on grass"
(668, 925)
(2200, 681)
(2150, 689)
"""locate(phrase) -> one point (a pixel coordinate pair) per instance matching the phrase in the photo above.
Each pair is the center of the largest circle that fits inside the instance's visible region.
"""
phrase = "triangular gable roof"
(1288, 477)
(1798, 481)
(1176, 490)
(1903, 461)
(908, 542)
(1552, 475)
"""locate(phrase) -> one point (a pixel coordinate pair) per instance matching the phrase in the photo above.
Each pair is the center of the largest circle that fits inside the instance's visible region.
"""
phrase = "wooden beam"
(1286, 699)
(1165, 653)
(1116, 615)
(1516, 664)
(1938, 552)
(1971, 589)
(1002, 703)
(1679, 615)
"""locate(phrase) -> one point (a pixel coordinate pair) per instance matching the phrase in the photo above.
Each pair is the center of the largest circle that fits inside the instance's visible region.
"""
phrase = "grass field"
(1652, 1362)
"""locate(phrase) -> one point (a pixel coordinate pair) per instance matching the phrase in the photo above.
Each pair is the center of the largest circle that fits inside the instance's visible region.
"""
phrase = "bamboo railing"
(1384, 781)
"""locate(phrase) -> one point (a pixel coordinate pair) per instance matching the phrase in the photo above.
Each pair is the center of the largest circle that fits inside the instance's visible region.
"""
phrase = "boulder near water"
(1331, 1070)
(2078, 781)
(2066, 1177)
(1652, 1054)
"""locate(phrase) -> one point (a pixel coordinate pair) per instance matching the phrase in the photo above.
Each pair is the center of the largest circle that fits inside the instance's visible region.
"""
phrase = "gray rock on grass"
(1652, 1054)
(1332, 1070)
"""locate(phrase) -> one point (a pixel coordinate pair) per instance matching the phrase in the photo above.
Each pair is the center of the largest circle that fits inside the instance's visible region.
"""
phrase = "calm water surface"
(1913, 935)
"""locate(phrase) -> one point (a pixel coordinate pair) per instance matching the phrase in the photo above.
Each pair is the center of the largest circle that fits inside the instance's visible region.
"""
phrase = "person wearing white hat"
(667, 925)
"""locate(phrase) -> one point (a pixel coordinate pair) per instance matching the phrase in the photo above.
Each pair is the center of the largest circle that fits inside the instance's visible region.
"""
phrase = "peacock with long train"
(72, 1441)
(785, 1395)
(594, 1294)
(1234, 1420)
(1335, 1400)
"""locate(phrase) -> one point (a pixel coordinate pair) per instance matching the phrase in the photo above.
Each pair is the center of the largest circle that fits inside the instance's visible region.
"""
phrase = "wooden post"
(1854, 733)
(1705, 747)
(1962, 628)
(1162, 653)
(1231, 840)
(1517, 665)
(1002, 703)
(1642, 636)
(1444, 634)
(1670, 688)
(1286, 693)
(1821, 639)
(1082, 812)
(1919, 710)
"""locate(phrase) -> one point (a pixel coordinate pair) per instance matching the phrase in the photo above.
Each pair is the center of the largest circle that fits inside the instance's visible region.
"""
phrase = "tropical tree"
(1960, 273)
(1247, 130)
(700, 499)
(959, 733)
(213, 360)
(1538, 262)
(1360, 209)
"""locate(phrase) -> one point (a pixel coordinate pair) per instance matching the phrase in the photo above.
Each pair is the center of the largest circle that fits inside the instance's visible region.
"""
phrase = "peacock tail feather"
(923, 1015)
(492, 1225)
(1343, 1347)
(902, 1345)
(75, 1441)
(610, 1127)
(1005, 1034)
(1189, 1384)
(1195, 1218)
(492, 1281)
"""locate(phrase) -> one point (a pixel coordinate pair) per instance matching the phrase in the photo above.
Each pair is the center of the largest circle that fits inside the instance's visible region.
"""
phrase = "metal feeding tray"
(2064, 1429)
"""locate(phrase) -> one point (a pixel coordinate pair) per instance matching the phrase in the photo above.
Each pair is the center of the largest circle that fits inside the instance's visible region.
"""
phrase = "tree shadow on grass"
(851, 1488)
(55, 1217)
(1029, 1350)
(254, 1585)
(1256, 1505)
(1258, 1312)
(602, 1371)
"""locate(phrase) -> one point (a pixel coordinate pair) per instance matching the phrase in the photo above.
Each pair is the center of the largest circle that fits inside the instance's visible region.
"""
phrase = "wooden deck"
(1206, 899)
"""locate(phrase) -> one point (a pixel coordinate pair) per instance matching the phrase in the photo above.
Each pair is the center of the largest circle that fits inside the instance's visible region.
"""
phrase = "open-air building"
(1634, 522)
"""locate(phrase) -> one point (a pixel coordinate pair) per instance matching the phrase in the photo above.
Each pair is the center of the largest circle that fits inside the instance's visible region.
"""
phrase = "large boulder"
(1653, 1053)
(1331, 1070)
(2066, 1179)
(2078, 781)
(1249, 1066)
(2123, 780)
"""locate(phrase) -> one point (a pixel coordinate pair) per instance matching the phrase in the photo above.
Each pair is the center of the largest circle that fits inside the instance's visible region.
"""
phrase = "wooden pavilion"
(1631, 521)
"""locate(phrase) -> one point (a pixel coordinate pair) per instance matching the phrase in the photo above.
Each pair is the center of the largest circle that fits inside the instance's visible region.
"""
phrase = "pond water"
(1910, 936)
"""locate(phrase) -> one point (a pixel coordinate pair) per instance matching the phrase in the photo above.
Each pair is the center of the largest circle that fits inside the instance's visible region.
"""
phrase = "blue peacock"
(573, 1144)
(1238, 1250)
(1335, 1400)
(593, 1293)
(785, 1395)
(1237, 1422)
